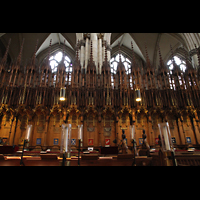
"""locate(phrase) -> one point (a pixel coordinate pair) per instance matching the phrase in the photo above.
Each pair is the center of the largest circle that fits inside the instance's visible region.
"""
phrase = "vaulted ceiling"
(152, 40)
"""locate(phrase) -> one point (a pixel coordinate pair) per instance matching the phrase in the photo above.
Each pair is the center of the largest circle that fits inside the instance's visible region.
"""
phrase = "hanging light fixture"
(62, 94)
(138, 95)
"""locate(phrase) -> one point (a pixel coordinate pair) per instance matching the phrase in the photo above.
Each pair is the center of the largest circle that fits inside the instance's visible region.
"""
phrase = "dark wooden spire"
(106, 65)
(162, 65)
(34, 55)
(20, 53)
(147, 59)
(4, 59)
(120, 65)
(176, 67)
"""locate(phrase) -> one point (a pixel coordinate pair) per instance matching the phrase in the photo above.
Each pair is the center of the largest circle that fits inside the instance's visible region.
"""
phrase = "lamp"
(138, 95)
(62, 94)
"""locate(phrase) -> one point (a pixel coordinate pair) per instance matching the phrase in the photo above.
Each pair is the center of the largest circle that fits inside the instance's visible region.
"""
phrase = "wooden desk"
(109, 150)
(8, 149)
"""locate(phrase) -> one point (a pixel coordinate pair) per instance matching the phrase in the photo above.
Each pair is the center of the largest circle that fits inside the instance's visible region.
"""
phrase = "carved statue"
(145, 144)
(124, 144)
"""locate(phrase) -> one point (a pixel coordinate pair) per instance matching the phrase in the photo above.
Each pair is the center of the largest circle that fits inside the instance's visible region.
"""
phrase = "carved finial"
(106, 56)
(91, 56)
(172, 53)
(50, 47)
(176, 67)
(20, 53)
(162, 66)
(4, 59)
(34, 55)
(77, 56)
(49, 51)
(173, 61)
(119, 53)
(133, 57)
(63, 53)
(189, 66)
(147, 56)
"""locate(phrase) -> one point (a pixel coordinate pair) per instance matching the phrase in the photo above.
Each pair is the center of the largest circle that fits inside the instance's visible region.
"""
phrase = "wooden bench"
(48, 156)
(187, 160)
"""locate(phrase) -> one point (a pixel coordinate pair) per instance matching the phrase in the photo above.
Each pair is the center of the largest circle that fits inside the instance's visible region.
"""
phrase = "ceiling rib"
(58, 37)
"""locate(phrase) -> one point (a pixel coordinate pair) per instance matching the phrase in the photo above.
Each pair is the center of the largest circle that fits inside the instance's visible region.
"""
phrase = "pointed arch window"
(179, 62)
(182, 66)
(55, 60)
(114, 63)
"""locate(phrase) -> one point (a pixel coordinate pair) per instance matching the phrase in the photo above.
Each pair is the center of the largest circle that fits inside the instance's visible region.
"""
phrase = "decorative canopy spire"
(63, 58)
(91, 64)
(120, 65)
(147, 58)
(120, 60)
(34, 55)
(173, 61)
(47, 62)
(4, 59)
(49, 50)
(188, 64)
(91, 55)
(77, 56)
(106, 56)
(133, 56)
(77, 61)
(162, 66)
(61, 65)
(20, 53)
(106, 65)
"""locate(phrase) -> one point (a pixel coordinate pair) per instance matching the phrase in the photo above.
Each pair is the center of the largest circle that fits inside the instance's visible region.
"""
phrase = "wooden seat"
(89, 157)
(1, 157)
(48, 156)
(124, 156)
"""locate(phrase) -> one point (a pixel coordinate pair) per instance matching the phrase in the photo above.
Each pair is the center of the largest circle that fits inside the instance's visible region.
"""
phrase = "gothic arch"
(54, 48)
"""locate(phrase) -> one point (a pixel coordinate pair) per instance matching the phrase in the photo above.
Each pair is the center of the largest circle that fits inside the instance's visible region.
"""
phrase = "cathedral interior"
(100, 77)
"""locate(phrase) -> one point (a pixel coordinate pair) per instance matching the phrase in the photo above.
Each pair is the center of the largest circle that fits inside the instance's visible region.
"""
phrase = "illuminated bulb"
(62, 94)
(138, 95)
